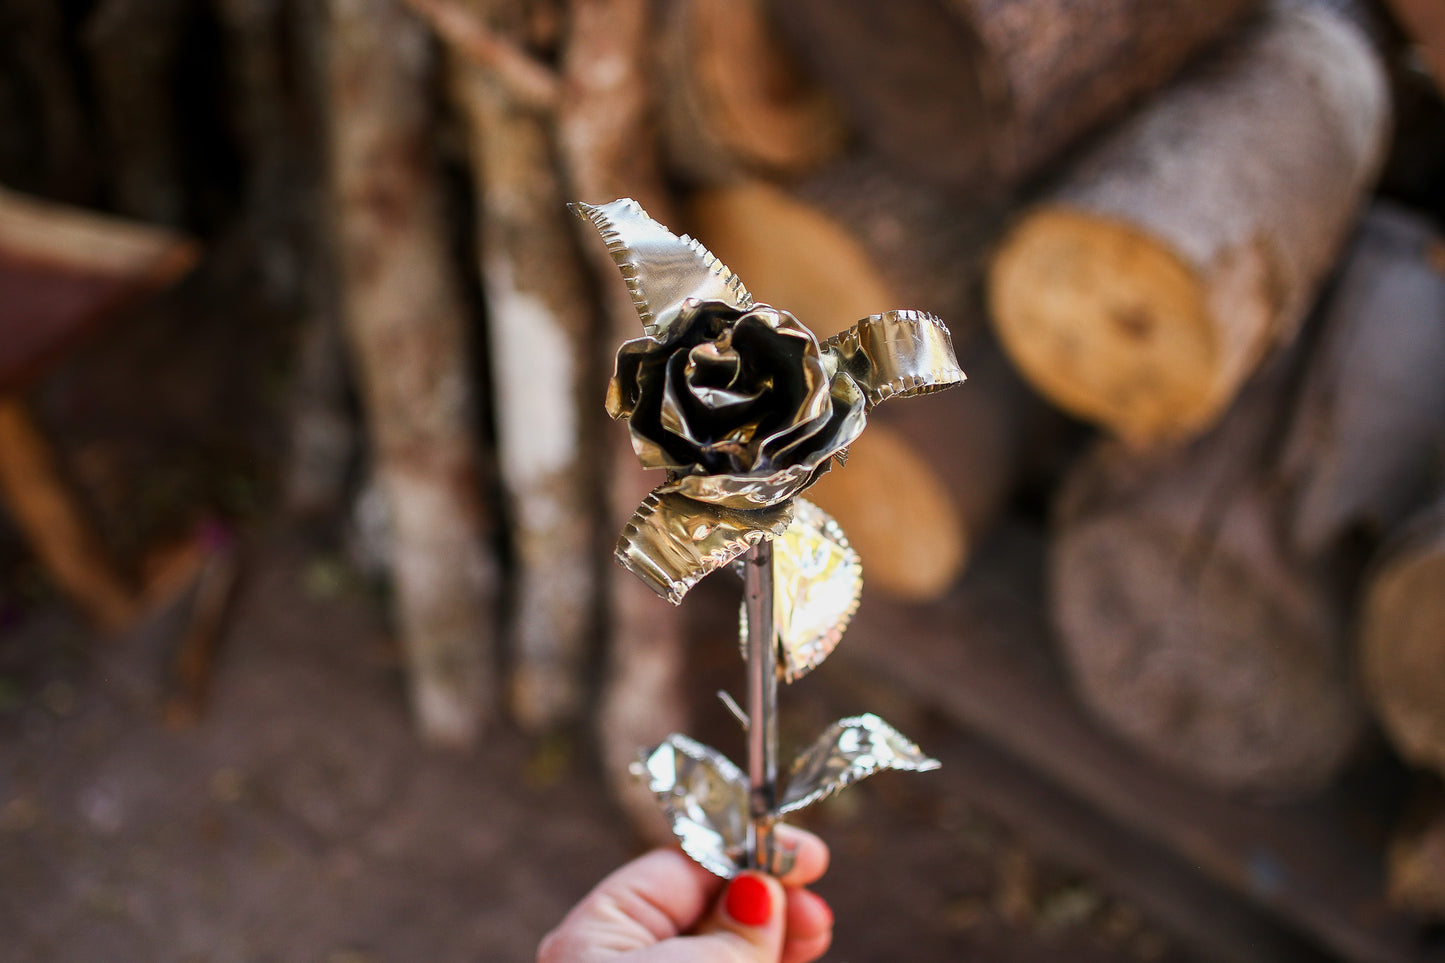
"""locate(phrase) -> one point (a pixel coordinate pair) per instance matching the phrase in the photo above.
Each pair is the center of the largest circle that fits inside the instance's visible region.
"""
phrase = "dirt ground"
(300, 821)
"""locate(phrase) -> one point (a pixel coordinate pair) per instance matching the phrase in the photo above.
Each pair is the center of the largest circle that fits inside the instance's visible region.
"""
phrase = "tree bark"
(407, 331)
(540, 328)
(1147, 287)
(974, 93)
(607, 143)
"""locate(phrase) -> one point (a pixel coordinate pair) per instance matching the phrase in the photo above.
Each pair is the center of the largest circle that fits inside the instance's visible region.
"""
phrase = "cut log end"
(1402, 629)
(896, 512)
(1217, 672)
(1109, 323)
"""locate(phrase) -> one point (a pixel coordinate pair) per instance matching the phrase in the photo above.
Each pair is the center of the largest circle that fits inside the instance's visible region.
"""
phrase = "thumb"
(750, 916)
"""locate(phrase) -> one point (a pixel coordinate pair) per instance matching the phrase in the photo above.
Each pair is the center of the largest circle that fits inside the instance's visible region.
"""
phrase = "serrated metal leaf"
(817, 583)
(661, 269)
(848, 750)
(672, 541)
(896, 354)
(705, 797)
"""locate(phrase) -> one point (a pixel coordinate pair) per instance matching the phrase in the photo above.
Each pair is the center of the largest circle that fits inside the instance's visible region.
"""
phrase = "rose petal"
(622, 389)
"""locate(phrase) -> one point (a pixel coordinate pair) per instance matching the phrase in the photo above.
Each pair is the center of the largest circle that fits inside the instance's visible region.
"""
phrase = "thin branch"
(532, 83)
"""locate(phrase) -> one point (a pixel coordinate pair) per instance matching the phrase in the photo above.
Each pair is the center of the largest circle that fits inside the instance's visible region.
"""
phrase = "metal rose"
(736, 405)
(738, 402)
(744, 408)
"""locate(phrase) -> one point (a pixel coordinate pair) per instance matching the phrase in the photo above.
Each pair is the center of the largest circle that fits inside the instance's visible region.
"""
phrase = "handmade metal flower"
(743, 408)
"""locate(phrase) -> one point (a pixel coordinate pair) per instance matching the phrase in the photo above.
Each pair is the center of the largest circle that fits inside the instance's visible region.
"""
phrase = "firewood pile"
(1189, 254)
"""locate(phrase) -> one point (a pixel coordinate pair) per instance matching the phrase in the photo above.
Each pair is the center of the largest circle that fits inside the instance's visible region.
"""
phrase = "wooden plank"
(974, 656)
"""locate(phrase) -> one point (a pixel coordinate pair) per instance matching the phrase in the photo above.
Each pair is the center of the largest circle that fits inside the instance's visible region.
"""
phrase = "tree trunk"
(968, 93)
(608, 150)
(407, 330)
(1147, 287)
(540, 327)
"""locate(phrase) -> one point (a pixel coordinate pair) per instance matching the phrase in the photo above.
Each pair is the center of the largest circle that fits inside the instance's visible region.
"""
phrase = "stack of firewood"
(1166, 216)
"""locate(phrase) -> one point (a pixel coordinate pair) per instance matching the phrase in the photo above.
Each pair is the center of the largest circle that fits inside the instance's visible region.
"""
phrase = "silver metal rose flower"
(743, 408)
(735, 404)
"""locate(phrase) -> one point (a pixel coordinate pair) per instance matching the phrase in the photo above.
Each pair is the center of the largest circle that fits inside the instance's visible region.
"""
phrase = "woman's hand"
(664, 908)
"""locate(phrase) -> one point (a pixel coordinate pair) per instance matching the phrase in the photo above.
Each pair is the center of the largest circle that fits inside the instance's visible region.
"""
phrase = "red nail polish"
(749, 901)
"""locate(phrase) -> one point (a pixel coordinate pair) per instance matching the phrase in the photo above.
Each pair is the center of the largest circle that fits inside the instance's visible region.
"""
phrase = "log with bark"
(965, 93)
(607, 147)
(1201, 594)
(1150, 283)
(540, 327)
(407, 329)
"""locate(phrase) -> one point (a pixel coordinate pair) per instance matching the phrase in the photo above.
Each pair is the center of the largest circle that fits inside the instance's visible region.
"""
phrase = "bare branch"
(532, 83)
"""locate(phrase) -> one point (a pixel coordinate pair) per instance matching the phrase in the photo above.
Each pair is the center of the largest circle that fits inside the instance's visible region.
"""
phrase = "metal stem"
(762, 704)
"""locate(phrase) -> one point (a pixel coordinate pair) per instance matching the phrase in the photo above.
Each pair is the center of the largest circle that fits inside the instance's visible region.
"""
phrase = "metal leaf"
(672, 542)
(850, 749)
(662, 270)
(896, 354)
(817, 582)
(705, 797)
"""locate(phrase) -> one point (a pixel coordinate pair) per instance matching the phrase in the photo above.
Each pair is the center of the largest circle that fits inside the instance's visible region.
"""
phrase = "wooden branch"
(37, 498)
(527, 79)
(540, 324)
(406, 325)
(1147, 287)
(968, 93)
(607, 146)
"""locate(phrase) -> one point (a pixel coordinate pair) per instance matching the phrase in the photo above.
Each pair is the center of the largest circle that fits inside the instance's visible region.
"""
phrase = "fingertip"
(750, 900)
(809, 915)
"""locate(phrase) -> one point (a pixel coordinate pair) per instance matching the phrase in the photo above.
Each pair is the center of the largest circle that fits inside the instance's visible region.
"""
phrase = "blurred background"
(311, 643)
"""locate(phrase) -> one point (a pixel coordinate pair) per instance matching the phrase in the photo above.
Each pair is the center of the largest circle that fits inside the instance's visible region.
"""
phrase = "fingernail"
(749, 901)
